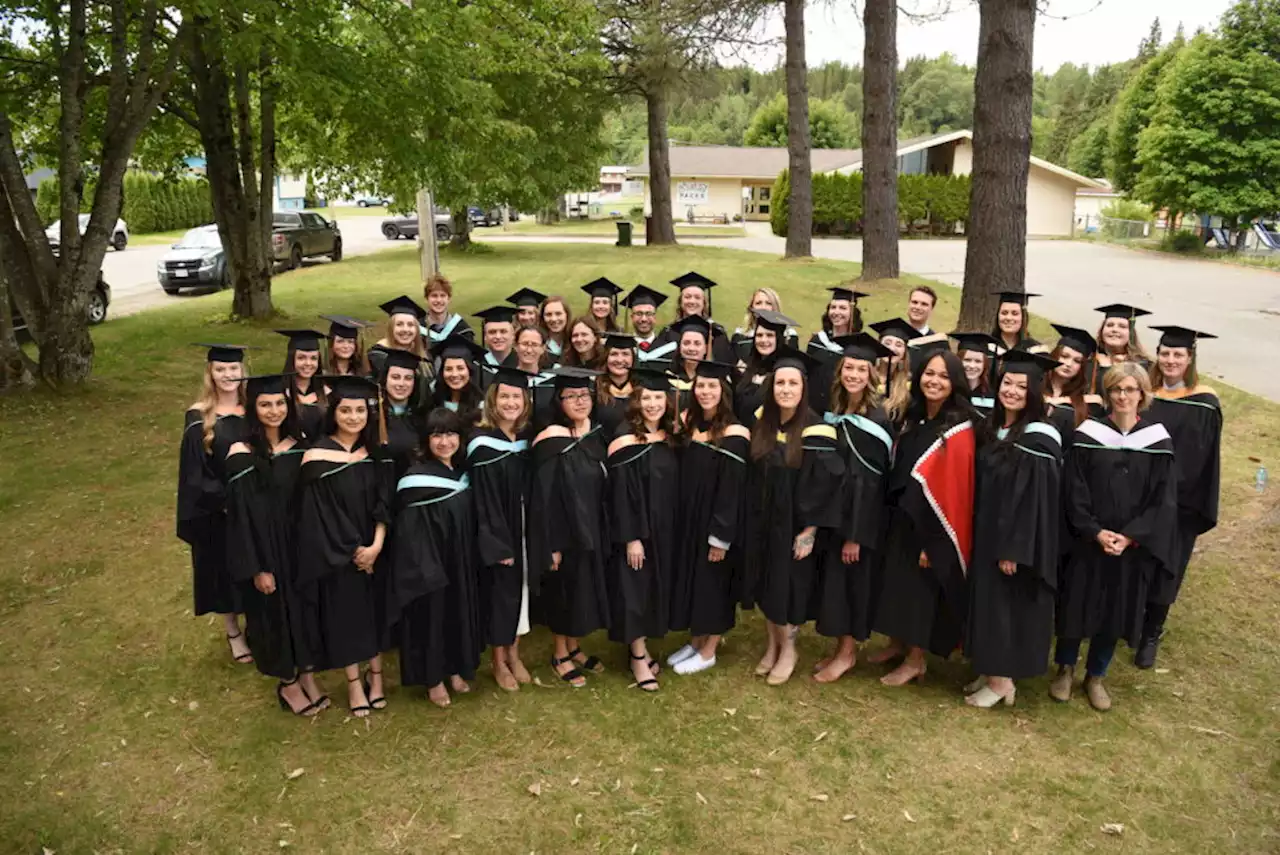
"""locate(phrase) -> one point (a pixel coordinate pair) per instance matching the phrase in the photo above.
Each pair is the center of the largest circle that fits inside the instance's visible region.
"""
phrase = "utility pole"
(428, 252)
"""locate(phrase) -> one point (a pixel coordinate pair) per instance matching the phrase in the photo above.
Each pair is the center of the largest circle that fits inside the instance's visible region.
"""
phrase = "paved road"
(132, 273)
(1239, 304)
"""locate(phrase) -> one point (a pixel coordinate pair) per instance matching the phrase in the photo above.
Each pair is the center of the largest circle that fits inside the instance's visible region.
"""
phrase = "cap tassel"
(382, 418)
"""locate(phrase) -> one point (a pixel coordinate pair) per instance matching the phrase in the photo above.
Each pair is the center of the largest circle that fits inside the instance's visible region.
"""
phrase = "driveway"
(1239, 304)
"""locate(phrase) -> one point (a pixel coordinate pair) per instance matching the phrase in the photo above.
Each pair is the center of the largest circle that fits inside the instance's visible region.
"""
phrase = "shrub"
(1182, 241)
(1127, 209)
(636, 214)
(940, 200)
(150, 203)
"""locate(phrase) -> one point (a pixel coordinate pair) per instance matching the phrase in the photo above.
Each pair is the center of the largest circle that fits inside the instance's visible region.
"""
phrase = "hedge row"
(933, 203)
(151, 203)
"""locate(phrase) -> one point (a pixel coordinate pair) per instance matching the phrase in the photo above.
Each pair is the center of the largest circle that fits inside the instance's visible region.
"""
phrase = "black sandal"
(321, 703)
(572, 676)
(306, 712)
(592, 664)
(243, 658)
(650, 685)
(363, 710)
(380, 702)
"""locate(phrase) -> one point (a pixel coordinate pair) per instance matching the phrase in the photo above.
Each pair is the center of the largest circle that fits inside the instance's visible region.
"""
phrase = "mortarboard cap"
(1174, 336)
(979, 342)
(713, 369)
(694, 323)
(862, 346)
(643, 295)
(602, 287)
(1120, 310)
(303, 339)
(771, 320)
(343, 386)
(651, 378)
(896, 327)
(840, 292)
(509, 375)
(341, 326)
(403, 305)
(1077, 339)
(402, 359)
(1026, 362)
(526, 297)
(619, 341)
(1019, 297)
(224, 352)
(790, 357)
(573, 377)
(922, 348)
(458, 347)
(497, 314)
(686, 280)
(265, 384)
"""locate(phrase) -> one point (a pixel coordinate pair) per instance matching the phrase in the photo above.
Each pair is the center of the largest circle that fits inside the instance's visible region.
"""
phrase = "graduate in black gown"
(1012, 319)
(455, 387)
(499, 467)
(433, 594)
(304, 364)
(642, 314)
(439, 322)
(526, 301)
(706, 580)
(692, 336)
(1066, 388)
(978, 354)
(498, 331)
(346, 353)
(848, 554)
(792, 491)
(644, 482)
(613, 387)
(1017, 522)
(402, 416)
(531, 351)
(604, 303)
(695, 300)
(754, 368)
(842, 317)
(343, 511)
(262, 476)
(1118, 342)
(568, 528)
(1121, 497)
(923, 593)
(404, 325)
(1192, 414)
(210, 427)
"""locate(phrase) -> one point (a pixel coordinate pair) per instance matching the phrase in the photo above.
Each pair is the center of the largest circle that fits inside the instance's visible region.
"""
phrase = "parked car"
(372, 201)
(119, 235)
(197, 260)
(406, 225)
(296, 235)
(493, 217)
(99, 301)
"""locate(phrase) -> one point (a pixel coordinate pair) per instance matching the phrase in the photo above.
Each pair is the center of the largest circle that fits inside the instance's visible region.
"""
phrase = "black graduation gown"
(453, 325)
(432, 588)
(704, 595)
(1127, 484)
(489, 367)
(644, 481)
(1017, 518)
(921, 606)
(782, 501)
(1194, 423)
(844, 597)
(201, 512)
(828, 354)
(339, 507)
(260, 539)
(310, 416)
(500, 480)
(721, 349)
(610, 415)
(422, 382)
(568, 516)
(404, 440)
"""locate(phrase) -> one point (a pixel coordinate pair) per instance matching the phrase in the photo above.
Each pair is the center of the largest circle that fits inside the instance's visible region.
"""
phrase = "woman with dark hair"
(849, 552)
(1192, 414)
(1014, 572)
(977, 354)
(556, 319)
(456, 388)
(568, 527)
(1010, 327)
(748, 391)
(585, 350)
(1122, 511)
(693, 344)
(695, 301)
(709, 527)
(604, 304)
(1066, 388)
(841, 318)
(346, 353)
(210, 427)
(794, 479)
(923, 596)
(531, 349)
(1117, 342)
(401, 417)
(613, 387)
(432, 591)
(498, 461)
(644, 480)
(262, 474)
(303, 363)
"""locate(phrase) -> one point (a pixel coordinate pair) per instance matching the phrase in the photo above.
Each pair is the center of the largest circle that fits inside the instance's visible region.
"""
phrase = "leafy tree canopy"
(830, 125)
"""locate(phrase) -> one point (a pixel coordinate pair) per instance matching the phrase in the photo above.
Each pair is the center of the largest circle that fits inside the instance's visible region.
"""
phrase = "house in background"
(714, 181)
(1091, 200)
(35, 177)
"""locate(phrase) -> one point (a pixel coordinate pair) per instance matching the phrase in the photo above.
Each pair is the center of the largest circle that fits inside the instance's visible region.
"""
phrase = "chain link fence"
(1111, 228)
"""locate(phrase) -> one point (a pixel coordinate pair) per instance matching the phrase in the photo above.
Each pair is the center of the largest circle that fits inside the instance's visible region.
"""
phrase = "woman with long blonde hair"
(212, 425)
(1117, 342)
(404, 332)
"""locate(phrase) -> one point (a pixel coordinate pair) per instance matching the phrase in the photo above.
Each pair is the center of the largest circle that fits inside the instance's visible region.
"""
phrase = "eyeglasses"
(642, 314)
(1126, 390)
(584, 395)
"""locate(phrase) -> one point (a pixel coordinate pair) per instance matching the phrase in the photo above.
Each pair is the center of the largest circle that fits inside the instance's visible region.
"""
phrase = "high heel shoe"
(591, 663)
(380, 702)
(306, 712)
(243, 658)
(362, 710)
(650, 685)
(987, 697)
(975, 684)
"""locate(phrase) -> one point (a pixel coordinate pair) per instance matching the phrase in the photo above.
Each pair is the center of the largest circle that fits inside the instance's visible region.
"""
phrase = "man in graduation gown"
(499, 334)
(642, 306)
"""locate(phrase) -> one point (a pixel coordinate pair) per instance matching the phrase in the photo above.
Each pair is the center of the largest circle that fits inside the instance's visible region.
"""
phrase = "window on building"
(764, 193)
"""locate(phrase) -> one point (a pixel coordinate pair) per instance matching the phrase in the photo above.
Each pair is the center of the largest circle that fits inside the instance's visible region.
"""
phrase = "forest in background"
(1073, 110)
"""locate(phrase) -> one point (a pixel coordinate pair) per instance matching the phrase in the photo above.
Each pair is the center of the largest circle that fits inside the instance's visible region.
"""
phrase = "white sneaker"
(680, 655)
(694, 664)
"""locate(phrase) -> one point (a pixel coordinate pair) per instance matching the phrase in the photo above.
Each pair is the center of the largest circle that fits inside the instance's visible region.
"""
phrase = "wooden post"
(428, 251)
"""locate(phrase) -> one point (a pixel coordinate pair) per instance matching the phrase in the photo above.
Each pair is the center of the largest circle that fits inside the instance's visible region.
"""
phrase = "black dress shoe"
(1145, 657)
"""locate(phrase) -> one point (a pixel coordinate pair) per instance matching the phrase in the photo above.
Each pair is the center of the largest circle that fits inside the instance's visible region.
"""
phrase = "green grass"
(126, 728)
(157, 238)
(606, 228)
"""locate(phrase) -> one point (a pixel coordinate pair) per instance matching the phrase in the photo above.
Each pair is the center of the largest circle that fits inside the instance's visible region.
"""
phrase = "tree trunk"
(996, 255)
(461, 238)
(880, 141)
(15, 367)
(662, 227)
(800, 198)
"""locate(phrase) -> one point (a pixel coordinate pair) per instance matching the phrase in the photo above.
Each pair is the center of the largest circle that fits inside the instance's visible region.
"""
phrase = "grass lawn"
(157, 238)
(128, 729)
(530, 226)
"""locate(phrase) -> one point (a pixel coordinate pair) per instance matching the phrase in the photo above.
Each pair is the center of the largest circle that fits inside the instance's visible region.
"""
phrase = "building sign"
(693, 192)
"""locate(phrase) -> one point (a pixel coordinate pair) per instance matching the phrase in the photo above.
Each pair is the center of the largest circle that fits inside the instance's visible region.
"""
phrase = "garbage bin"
(624, 233)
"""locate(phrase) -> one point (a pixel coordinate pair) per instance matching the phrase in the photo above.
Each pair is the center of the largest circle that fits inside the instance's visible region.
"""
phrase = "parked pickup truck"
(296, 235)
